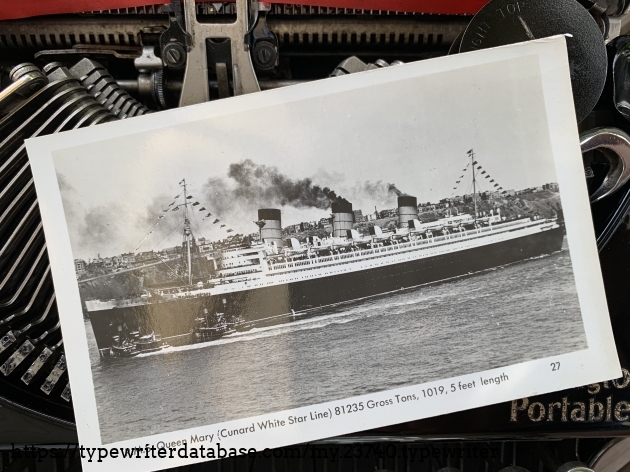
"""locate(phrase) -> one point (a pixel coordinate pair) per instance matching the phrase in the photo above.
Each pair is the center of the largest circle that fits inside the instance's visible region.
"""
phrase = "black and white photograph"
(359, 236)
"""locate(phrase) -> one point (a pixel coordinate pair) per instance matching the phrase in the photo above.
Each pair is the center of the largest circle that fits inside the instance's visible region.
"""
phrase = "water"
(508, 315)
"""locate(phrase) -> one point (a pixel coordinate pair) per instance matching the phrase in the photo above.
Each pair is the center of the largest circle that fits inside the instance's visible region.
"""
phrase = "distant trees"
(113, 287)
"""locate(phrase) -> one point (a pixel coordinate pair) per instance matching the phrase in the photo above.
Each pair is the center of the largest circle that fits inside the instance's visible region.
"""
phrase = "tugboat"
(132, 344)
(124, 348)
(149, 343)
(207, 331)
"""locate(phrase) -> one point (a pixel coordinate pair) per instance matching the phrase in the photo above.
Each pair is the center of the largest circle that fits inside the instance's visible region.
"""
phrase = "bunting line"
(175, 206)
(478, 167)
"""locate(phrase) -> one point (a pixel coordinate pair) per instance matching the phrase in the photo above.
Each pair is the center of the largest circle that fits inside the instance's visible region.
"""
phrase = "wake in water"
(268, 331)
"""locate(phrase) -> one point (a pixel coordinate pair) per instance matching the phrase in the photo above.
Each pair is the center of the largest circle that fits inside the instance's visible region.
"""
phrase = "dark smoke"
(247, 186)
(333, 197)
(393, 189)
(261, 183)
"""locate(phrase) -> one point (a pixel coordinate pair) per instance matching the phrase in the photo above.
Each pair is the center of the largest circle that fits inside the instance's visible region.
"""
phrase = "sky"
(415, 135)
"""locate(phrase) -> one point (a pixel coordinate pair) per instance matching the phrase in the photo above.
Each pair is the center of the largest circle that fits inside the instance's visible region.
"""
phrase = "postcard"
(323, 259)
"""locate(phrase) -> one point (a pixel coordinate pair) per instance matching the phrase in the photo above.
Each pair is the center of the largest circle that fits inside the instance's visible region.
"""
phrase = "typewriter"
(66, 65)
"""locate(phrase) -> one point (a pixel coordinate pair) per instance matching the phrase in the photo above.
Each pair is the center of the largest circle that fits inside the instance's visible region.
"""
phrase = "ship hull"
(173, 320)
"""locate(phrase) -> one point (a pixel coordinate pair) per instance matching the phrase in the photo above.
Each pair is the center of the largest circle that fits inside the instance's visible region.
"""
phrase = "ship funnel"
(343, 218)
(272, 230)
(407, 210)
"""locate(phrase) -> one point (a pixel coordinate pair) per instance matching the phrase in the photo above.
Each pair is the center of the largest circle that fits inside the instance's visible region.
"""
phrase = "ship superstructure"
(276, 279)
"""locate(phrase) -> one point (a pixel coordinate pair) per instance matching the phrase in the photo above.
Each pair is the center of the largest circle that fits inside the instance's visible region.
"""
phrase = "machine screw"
(264, 55)
(174, 55)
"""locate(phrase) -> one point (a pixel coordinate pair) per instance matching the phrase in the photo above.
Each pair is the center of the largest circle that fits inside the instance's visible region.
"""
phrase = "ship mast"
(471, 153)
(187, 231)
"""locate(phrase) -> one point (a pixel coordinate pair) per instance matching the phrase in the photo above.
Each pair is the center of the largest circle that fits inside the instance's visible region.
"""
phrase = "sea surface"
(507, 315)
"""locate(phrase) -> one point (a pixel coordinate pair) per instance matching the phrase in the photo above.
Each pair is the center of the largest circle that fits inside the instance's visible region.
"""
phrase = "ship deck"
(400, 247)
(353, 259)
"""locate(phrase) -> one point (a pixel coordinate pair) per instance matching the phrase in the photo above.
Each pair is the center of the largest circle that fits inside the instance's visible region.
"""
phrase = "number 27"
(555, 366)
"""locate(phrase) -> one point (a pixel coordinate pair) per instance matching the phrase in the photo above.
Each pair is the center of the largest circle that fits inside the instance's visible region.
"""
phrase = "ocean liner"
(275, 280)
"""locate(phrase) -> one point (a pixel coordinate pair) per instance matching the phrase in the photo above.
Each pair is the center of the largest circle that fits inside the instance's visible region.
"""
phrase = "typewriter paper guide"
(327, 258)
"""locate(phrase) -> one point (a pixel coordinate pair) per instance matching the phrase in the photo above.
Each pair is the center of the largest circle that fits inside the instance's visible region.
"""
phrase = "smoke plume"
(233, 198)
(393, 189)
(249, 186)
(260, 183)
